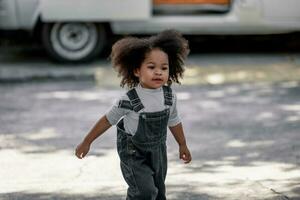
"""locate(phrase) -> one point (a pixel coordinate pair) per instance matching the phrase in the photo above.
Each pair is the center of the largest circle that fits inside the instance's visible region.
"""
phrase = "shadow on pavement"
(175, 193)
(56, 196)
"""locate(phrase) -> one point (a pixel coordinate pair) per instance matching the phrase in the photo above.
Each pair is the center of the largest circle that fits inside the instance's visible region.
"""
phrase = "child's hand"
(185, 154)
(82, 149)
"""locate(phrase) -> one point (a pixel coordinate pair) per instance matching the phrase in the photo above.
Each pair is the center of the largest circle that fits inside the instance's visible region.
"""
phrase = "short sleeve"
(174, 118)
(115, 113)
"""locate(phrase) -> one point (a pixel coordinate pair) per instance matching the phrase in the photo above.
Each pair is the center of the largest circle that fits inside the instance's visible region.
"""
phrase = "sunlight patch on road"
(239, 143)
(290, 84)
(106, 76)
(183, 96)
(45, 133)
(97, 95)
(264, 116)
(216, 105)
(216, 94)
(223, 179)
(29, 141)
(295, 107)
(59, 172)
(237, 74)
(293, 119)
(215, 79)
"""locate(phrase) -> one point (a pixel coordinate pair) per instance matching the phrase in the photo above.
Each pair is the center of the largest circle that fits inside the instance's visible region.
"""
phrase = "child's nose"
(158, 72)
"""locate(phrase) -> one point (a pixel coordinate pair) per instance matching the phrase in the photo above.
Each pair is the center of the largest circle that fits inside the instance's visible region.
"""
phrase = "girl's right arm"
(99, 128)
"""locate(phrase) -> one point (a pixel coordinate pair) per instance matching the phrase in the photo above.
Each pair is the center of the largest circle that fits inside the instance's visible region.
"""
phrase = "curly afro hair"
(129, 53)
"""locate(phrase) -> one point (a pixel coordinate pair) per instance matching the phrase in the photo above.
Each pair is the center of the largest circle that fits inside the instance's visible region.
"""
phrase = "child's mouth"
(157, 80)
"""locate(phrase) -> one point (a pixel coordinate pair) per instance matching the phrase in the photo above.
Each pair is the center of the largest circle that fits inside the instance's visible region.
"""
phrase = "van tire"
(73, 42)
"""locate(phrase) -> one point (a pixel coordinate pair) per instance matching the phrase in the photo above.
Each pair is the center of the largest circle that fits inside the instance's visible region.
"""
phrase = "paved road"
(241, 114)
(244, 139)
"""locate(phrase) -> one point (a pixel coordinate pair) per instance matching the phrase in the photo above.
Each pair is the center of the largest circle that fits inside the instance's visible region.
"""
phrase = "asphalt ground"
(244, 139)
(240, 112)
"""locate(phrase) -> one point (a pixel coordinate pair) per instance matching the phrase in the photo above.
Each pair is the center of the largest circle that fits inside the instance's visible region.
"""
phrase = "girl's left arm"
(178, 134)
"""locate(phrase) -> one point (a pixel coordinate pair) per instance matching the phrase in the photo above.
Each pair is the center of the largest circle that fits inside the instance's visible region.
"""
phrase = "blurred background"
(239, 100)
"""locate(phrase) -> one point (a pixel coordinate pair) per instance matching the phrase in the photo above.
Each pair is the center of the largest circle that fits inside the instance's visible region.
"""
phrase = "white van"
(77, 30)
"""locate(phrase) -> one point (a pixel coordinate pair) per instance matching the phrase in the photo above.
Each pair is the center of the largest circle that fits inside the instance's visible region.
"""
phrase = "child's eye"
(151, 67)
(164, 68)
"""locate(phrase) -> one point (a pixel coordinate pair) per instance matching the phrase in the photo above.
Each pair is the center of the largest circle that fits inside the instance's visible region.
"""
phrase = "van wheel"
(73, 42)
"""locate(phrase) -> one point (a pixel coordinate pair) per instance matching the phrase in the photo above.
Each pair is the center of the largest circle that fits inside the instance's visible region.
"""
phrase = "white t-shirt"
(153, 101)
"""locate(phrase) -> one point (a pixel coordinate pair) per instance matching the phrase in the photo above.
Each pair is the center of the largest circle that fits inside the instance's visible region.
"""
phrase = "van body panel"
(137, 16)
(8, 14)
(18, 14)
(95, 10)
(28, 13)
(278, 10)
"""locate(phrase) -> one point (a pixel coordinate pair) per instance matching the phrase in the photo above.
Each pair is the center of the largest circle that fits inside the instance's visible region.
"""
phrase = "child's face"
(154, 71)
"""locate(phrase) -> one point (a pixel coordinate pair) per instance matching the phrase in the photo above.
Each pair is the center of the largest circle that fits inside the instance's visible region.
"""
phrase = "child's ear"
(136, 72)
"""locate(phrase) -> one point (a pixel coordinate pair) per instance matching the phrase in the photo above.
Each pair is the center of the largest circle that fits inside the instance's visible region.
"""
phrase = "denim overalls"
(143, 156)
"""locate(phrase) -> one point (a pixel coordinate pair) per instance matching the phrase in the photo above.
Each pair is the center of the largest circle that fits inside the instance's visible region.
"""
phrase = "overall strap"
(168, 95)
(135, 101)
(125, 104)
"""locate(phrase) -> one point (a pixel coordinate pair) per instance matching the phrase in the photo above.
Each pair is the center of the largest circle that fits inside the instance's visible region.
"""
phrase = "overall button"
(131, 149)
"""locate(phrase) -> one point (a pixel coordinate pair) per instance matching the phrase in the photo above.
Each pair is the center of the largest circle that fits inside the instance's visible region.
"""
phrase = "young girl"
(148, 67)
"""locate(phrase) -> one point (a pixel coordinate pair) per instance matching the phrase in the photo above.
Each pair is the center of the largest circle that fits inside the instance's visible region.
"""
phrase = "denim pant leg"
(137, 173)
(159, 163)
(144, 177)
(149, 174)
